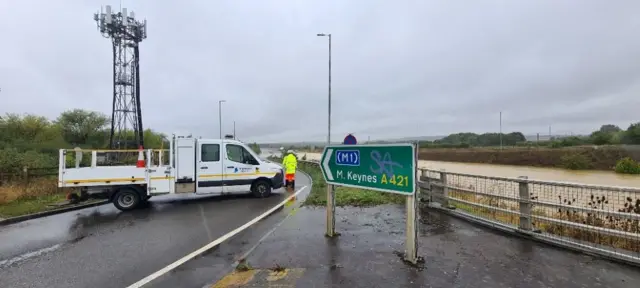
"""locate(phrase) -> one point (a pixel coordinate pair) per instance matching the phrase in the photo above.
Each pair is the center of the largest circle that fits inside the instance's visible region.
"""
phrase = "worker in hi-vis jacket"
(290, 164)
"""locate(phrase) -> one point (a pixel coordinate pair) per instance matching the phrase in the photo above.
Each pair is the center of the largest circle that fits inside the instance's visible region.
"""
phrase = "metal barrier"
(91, 158)
(597, 219)
(601, 220)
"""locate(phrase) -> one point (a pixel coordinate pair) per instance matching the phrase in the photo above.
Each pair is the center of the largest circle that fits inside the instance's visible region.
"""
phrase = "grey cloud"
(400, 68)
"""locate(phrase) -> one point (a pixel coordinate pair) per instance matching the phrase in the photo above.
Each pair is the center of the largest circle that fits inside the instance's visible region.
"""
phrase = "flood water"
(608, 178)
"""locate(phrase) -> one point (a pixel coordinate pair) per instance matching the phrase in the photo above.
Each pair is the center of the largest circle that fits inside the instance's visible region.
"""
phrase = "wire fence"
(603, 220)
(27, 174)
(597, 219)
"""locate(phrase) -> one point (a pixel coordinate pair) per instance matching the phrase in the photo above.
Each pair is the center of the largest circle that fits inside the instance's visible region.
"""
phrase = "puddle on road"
(466, 232)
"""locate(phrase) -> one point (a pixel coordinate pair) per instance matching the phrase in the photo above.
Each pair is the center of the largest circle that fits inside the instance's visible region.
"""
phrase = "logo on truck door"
(242, 170)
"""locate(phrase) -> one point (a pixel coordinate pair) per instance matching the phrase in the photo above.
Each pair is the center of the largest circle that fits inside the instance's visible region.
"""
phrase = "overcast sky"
(400, 68)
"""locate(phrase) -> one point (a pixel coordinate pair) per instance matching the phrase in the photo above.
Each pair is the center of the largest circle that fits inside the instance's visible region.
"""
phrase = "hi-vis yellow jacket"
(290, 164)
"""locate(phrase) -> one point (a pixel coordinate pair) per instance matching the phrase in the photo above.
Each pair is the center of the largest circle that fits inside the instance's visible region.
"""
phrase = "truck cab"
(223, 166)
(196, 165)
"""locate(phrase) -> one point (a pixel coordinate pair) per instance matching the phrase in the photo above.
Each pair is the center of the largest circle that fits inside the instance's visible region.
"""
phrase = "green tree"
(153, 140)
(632, 135)
(81, 127)
(255, 147)
(34, 141)
(609, 128)
(601, 138)
(618, 137)
(604, 135)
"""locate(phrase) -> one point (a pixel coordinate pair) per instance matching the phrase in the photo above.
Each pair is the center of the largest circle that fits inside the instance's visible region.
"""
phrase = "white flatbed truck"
(200, 166)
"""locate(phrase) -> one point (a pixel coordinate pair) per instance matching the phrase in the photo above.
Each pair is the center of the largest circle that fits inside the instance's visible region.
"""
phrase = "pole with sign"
(331, 193)
(350, 140)
(390, 168)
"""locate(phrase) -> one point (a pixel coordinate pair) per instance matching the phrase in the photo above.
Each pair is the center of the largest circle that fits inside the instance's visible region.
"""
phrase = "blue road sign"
(348, 157)
(350, 140)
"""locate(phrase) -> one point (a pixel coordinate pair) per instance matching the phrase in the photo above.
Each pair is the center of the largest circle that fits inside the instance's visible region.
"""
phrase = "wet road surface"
(457, 254)
(103, 247)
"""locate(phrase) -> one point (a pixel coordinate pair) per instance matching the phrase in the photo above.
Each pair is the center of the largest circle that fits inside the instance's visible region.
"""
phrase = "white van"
(200, 166)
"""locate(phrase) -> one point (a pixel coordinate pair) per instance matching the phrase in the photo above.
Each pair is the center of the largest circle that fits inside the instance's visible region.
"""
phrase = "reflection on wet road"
(103, 247)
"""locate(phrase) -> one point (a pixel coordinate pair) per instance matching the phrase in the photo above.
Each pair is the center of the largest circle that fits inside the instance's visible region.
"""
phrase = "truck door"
(209, 167)
(185, 160)
(241, 168)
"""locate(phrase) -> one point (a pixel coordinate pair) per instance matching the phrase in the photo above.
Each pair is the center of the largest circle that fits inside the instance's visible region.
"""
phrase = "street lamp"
(220, 114)
(331, 204)
(329, 114)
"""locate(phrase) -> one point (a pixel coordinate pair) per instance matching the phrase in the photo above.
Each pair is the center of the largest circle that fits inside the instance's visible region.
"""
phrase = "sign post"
(388, 168)
(411, 243)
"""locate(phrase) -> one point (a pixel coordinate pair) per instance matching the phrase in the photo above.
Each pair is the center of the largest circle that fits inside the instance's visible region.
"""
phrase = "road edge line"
(214, 243)
(268, 234)
(22, 218)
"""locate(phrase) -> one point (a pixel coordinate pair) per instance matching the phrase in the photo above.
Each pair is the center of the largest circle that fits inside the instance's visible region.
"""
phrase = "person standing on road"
(290, 164)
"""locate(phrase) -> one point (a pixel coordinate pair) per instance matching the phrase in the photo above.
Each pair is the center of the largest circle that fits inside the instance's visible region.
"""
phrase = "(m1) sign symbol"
(348, 157)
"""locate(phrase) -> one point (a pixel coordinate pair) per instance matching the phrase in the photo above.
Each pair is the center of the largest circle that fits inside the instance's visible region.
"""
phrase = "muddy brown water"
(574, 196)
(607, 178)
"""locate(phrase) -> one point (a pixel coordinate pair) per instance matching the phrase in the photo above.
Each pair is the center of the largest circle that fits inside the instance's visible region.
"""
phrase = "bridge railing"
(598, 219)
(602, 220)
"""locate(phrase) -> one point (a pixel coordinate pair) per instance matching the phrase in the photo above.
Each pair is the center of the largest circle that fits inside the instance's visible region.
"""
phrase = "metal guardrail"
(596, 219)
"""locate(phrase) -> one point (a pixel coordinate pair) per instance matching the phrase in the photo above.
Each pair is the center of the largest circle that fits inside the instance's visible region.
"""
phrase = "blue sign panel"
(350, 140)
(348, 157)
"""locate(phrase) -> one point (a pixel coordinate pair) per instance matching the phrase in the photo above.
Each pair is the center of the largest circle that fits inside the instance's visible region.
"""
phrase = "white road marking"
(264, 237)
(215, 243)
(204, 222)
(9, 262)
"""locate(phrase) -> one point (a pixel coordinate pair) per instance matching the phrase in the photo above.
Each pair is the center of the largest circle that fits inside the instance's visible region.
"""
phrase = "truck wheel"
(126, 199)
(261, 189)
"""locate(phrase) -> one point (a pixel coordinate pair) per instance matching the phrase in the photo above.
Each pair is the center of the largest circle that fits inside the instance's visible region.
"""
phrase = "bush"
(627, 166)
(255, 147)
(575, 161)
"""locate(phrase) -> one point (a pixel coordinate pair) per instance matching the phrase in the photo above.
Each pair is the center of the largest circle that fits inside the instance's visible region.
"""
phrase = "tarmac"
(104, 247)
(456, 253)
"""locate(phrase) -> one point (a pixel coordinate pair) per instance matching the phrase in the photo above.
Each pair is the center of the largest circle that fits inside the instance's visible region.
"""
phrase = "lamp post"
(220, 115)
(500, 130)
(331, 204)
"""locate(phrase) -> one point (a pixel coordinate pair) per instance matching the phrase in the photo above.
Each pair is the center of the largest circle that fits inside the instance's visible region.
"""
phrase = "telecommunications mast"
(126, 33)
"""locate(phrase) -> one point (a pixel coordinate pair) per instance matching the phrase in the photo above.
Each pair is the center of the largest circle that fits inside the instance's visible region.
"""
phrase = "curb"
(22, 218)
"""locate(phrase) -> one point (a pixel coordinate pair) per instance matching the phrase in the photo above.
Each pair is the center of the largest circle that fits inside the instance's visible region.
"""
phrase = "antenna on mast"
(125, 33)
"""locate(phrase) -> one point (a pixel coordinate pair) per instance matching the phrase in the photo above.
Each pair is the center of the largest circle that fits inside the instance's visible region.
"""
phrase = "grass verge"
(345, 196)
(37, 195)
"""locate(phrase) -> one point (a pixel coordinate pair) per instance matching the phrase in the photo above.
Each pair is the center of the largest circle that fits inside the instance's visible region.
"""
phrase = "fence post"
(445, 189)
(25, 174)
(94, 159)
(423, 173)
(525, 204)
